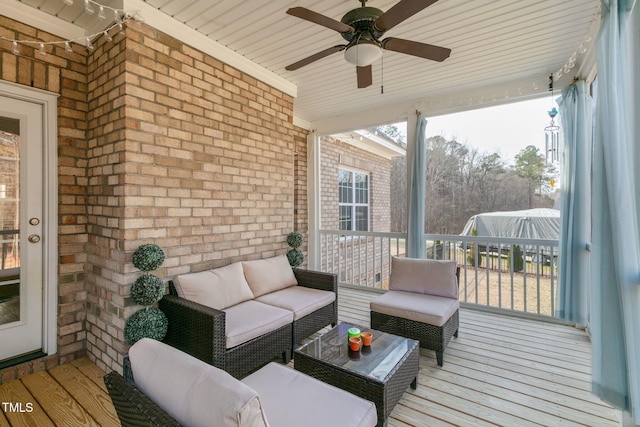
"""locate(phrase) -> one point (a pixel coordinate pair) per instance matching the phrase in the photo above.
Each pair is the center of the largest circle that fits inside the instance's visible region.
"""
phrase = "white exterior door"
(22, 134)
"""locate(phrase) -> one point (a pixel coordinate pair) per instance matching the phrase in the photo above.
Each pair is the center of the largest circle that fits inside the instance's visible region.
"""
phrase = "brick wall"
(65, 74)
(336, 154)
(185, 152)
(158, 143)
(361, 262)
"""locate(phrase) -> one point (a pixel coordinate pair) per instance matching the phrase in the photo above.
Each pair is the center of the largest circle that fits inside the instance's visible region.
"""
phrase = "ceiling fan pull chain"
(382, 75)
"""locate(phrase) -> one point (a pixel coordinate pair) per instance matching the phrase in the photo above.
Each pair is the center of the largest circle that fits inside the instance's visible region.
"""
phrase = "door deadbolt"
(34, 238)
(34, 221)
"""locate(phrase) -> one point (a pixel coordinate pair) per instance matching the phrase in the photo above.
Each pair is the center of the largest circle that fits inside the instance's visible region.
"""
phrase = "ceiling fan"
(363, 28)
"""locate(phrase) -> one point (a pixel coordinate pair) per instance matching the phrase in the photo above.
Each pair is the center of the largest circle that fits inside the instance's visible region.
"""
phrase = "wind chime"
(552, 131)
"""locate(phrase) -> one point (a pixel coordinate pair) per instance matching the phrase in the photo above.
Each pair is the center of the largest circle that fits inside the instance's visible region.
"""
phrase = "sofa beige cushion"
(298, 299)
(293, 399)
(251, 319)
(218, 288)
(268, 275)
(422, 308)
(424, 276)
(193, 392)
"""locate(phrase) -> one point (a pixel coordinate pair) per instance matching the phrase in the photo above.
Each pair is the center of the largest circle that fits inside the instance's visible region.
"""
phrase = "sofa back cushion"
(193, 392)
(219, 288)
(424, 276)
(268, 275)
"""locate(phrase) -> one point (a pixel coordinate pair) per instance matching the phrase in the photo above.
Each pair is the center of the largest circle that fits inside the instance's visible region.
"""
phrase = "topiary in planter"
(148, 257)
(146, 323)
(295, 255)
(147, 289)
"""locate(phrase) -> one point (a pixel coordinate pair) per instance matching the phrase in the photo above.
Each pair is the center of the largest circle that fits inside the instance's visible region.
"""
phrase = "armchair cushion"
(422, 308)
(424, 276)
(268, 275)
(251, 319)
(218, 288)
(191, 391)
(292, 399)
(298, 299)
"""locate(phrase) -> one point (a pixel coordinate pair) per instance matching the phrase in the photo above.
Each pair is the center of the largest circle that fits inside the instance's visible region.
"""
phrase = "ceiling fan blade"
(315, 57)
(316, 18)
(365, 76)
(422, 50)
(401, 11)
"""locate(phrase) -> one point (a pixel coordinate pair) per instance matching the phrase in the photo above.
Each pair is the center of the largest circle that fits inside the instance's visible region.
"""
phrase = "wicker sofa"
(422, 303)
(164, 387)
(240, 317)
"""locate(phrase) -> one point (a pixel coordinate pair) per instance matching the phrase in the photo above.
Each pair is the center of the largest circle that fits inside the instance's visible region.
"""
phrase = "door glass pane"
(9, 220)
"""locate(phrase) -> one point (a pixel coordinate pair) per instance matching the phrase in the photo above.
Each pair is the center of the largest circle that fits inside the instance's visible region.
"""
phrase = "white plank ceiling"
(501, 49)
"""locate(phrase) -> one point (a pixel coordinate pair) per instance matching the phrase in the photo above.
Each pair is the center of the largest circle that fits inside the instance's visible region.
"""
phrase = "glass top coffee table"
(380, 373)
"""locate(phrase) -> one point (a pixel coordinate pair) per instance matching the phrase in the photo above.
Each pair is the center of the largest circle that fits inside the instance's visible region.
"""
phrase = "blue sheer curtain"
(575, 204)
(417, 177)
(615, 302)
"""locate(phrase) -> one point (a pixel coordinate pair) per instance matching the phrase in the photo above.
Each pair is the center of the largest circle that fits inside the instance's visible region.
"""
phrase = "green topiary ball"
(147, 289)
(148, 257)
(295, 257)
(146, 323)
(294, 239)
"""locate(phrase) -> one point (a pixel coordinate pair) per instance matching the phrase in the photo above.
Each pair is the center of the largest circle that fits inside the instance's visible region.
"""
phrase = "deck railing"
(519, 275)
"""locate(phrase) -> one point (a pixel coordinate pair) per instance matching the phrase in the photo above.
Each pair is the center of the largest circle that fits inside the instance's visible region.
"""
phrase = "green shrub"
(518, 259)
(146, 323)
(148, 257)
(147, 289)
(471, 256)
(295, 257)
(294, 239)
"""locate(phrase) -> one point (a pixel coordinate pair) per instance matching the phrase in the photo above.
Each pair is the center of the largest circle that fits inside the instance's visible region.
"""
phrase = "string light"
(581, 49)
(120, 17)
(88, 9)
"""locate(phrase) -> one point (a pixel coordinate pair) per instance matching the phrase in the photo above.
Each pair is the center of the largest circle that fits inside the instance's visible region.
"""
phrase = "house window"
(353, 190)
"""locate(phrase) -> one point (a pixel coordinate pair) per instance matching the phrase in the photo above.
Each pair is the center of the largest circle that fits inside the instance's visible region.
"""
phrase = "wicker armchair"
(133, 407)
(164, 387)
(422, 303)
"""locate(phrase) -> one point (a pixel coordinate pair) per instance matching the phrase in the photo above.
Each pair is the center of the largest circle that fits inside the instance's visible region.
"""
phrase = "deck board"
(86, 392)
(500, 371)
(59, 405)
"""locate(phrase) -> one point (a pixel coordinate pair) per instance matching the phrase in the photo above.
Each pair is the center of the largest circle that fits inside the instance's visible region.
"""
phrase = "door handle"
(34, 238)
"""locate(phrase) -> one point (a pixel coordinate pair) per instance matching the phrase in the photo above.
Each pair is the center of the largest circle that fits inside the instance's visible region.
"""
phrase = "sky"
(505, 129)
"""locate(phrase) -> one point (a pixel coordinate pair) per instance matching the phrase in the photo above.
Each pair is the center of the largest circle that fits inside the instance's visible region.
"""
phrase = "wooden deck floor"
(500, 371)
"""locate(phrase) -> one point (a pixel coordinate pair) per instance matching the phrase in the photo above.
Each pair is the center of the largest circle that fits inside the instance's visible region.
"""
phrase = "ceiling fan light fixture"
(363, 54)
